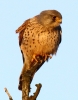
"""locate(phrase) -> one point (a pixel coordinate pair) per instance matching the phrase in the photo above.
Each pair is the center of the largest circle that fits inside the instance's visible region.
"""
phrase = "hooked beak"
(59, 20)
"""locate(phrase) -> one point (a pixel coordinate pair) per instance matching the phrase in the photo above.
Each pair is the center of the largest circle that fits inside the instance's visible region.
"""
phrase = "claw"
(34, 58)
(46, 56)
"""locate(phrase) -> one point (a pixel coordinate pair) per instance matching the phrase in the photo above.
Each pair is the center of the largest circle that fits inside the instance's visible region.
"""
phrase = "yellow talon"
(34, 58)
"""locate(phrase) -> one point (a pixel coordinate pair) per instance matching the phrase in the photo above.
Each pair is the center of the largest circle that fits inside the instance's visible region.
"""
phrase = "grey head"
(50, 18)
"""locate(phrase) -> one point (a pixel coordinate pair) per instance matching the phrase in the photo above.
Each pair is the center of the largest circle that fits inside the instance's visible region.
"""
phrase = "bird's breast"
(37, 39)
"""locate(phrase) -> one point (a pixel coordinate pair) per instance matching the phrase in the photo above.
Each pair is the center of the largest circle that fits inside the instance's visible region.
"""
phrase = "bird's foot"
(46, 56)
(34, 58)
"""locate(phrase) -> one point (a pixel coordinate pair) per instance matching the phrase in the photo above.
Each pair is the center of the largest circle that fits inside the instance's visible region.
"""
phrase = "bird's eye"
(54, 17)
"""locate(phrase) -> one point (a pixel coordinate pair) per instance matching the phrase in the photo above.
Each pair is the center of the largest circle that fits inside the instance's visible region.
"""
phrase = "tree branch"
(35, 66)
(36, 93)
(26, 79)
(10, 97)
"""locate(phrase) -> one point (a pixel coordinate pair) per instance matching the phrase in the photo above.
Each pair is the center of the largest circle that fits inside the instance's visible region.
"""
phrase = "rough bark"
(26, 79)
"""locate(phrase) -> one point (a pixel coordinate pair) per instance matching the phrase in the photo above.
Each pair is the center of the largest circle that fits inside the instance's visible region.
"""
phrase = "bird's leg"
(46, 56)
(34, 58)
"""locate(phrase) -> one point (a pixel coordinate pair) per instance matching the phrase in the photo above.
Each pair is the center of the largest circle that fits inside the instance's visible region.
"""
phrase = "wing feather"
(21, 30)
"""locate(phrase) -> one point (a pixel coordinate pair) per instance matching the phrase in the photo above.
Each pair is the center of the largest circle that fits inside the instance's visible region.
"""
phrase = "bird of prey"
(40, 36)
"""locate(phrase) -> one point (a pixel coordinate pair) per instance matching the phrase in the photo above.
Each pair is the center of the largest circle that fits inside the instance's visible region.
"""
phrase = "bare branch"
(35, 66)
(34, 97)
(10, 97)
(26, 79)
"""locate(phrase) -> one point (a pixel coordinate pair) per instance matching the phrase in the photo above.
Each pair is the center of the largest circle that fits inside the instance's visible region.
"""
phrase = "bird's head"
(50, 18)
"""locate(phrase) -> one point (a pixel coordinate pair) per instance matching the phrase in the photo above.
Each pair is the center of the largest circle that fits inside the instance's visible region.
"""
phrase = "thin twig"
(10, 97)
(34, 97)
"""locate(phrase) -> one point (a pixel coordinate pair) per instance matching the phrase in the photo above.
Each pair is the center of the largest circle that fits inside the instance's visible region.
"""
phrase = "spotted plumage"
(40, 35)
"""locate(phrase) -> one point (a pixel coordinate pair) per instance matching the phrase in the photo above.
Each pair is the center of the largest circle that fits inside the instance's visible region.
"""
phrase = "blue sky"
(59, 77)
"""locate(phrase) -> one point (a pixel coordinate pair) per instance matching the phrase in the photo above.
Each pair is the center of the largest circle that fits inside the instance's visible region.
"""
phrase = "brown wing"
(21, 30)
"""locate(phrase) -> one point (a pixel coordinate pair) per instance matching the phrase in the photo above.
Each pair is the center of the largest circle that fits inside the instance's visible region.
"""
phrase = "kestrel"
(40, 36)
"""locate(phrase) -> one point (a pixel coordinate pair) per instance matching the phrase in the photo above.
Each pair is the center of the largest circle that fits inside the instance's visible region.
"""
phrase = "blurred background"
(59, 77)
